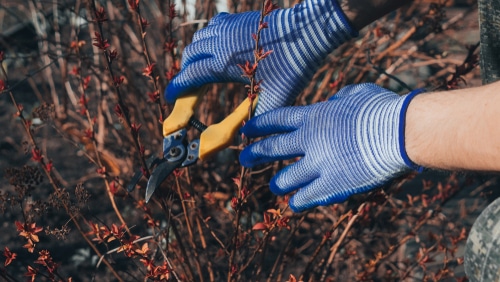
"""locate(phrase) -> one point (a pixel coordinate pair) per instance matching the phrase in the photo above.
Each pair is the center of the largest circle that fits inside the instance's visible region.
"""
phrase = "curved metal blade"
(162, 171)
(153, 160)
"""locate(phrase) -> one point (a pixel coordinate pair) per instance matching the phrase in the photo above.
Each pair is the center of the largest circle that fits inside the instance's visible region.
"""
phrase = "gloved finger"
(205, 33)
(215, 20)
(355, 89)
(317, 193)
(211, 28)
(275, 90)
(188, 79)
(293, 177)
(275, 121)
(275, 148)
(197, 51)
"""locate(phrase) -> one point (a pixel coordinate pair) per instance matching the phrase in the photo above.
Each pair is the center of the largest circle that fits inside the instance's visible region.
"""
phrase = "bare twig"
(47, 167)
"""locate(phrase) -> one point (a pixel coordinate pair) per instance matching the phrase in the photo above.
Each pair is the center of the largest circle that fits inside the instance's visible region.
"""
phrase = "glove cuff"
(332, 26)
(402, 126)
(340, 22)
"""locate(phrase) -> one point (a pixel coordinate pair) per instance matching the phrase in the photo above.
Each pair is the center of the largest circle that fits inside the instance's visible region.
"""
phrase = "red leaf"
(267, 218)
(100, 15)
(327, 235)
(339, 79)
(154, 96)
(251, 96)
(244, 192)
(259, 55)
(113, 188)
(112, 55)
(100, 42)
(116, 231)
(20, 108)
(89, 133)
(172, 12)
(144, 23)
(19, 226)
(170, 74)
(149, 264)
(259, 226)
(234, 203)
(86, 82)
(118, 111)
(144, 172)
(83, 100)
(76, 44)
(236, 181)
(274, 212)
(75, 71)
(34, 229)
(269, 6)
(31, 273)
(283, 222)
(36, 155)
(248, 69)
(178, 172)
(134, 4)
(169, 46)
(10, 256)
(118, 80)
(135, 127)
(48, 166)
(147, 71)
(234, 269)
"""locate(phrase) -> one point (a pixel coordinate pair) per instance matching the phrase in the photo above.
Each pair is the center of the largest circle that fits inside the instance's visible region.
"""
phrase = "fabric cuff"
(340, 20)
(402, 125)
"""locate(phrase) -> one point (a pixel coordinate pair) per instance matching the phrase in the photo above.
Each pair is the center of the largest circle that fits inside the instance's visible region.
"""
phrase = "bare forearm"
(455, 129)
(363, 12)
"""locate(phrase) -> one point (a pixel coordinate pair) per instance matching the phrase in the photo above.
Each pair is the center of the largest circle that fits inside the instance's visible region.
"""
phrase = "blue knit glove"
(300, 37)
(349, 144)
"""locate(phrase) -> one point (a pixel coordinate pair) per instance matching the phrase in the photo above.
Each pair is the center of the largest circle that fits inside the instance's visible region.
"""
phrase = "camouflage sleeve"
(482, 251)
(489, 21)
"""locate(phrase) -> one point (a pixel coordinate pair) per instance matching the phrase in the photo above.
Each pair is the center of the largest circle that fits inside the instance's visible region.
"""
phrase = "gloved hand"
(349, 144)
(300, 37)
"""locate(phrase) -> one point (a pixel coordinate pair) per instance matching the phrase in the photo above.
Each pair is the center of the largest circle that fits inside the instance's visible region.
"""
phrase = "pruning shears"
(178, 151)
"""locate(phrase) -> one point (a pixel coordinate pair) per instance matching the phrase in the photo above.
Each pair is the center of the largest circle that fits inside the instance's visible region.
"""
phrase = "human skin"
(455, 130)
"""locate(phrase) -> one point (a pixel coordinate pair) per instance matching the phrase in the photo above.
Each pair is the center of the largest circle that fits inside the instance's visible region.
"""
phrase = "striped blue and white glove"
(349, 144)
(300, 38)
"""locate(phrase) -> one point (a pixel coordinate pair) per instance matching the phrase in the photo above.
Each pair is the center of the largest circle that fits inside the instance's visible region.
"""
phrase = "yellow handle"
(182, 112)
(220, 135)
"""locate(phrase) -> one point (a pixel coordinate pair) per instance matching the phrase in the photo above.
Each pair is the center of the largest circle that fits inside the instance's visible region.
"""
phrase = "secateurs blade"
(178, 151)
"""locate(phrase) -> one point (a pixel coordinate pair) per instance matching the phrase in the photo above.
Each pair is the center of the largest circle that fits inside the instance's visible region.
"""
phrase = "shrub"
(85, 83)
